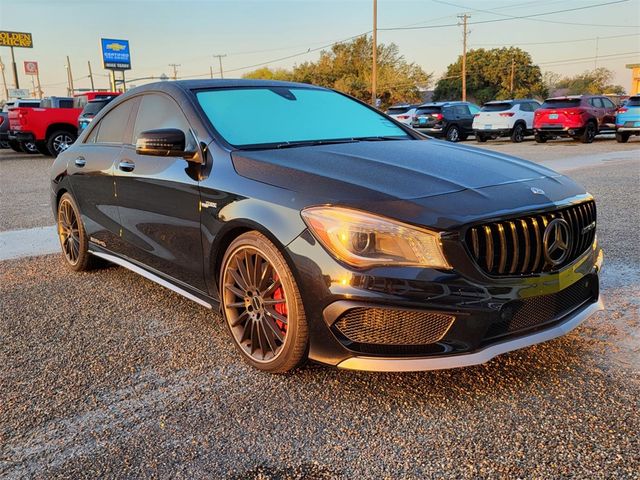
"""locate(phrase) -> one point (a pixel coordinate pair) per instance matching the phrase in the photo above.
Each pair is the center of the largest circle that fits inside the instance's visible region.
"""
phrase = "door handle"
(80, 162)
(126, 166)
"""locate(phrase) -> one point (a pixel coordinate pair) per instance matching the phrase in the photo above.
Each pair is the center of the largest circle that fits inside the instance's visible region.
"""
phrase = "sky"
(250, 33)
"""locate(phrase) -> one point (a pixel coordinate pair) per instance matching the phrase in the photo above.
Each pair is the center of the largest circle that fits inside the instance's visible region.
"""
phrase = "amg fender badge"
(97, 242)
(209, 204)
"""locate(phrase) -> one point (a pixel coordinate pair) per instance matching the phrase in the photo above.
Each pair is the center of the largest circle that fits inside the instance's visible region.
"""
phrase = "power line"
(532, 16)
(512, 17)
(554, 42)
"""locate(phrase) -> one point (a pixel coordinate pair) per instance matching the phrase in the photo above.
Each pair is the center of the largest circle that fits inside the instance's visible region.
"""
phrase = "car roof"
(441, 104)
(219, 83)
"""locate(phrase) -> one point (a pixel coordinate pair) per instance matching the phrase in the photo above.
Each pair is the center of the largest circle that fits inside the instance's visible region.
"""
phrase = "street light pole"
(15, 69)
(374, 68)
(464, 18)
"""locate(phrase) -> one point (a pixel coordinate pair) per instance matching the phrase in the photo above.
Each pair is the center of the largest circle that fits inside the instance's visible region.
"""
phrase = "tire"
(15, 146)
(481, 138)
(59, 140)
(73, 238)
(622, 137)
(589, 133)
(453, 134)
(41, 146)
(463, 137)
(518, 133)
(29, 148)
(540, 138)
(264, 313)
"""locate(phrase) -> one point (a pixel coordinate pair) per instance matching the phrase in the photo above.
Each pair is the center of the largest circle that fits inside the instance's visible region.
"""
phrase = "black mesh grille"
(521, 315)
(383, 326)
(515, 246)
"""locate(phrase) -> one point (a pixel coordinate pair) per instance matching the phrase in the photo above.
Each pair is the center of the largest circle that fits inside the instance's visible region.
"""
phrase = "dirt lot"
(106, 374)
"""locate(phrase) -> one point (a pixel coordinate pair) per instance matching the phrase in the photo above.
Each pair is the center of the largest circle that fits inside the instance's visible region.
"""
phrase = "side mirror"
(163, 142)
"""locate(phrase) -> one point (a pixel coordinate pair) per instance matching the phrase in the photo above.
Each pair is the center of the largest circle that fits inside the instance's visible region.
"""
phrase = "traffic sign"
(31, 68)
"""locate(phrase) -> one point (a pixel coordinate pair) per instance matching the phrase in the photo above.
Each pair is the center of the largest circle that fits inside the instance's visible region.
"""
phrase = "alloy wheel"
(518, 134)
(453, 135)
(255, 304)
(61, 142)
(30, 147)
(69, 231)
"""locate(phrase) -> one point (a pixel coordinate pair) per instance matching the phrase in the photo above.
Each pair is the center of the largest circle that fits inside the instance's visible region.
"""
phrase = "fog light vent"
(382, 326)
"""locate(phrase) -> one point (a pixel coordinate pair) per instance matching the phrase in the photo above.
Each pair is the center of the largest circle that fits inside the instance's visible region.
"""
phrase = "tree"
(265, 73)
(347, 67)
(594, 81)
(489, 76)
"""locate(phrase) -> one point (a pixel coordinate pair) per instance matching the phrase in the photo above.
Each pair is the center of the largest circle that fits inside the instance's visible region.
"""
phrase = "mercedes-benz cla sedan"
(323, 229)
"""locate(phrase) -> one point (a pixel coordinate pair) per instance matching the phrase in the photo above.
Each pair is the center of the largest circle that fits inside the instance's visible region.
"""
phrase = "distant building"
(635, 78)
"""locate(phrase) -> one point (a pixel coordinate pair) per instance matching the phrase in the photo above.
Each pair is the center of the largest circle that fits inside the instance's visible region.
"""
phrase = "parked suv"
(505, 118)
(90, 110)
(451, 120)
(580, 117)
(403, 113)
(628, 119)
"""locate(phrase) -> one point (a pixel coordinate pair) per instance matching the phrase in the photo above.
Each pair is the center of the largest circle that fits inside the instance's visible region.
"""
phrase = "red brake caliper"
(281, 308)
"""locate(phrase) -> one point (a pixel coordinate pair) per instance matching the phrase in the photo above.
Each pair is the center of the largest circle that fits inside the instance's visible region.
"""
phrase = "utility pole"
(464, 18)
(15, 69)
(70, 77)
(211, 71)
(595, 63)
(90, 75)
(4, 80)
(175, 70)
(220, 57)
(513, 72)
(38, 80)
(374, 66)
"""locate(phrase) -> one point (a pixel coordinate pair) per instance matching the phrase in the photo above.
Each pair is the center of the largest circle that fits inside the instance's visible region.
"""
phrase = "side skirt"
(154, 278)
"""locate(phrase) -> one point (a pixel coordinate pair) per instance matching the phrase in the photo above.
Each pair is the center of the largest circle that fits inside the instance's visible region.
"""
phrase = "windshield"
(633, 102)
(427, 110)
(92, 108)
(496, 107)
(272, 116)
(561, 103)
(398, 110)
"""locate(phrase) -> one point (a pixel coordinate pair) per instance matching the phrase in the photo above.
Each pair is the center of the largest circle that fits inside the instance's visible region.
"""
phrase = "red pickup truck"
(54, 125)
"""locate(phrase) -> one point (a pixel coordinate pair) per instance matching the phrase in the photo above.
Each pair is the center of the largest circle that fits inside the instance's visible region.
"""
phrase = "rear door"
(90, 172)
(609, 113)
(159, 199)
(464, 118)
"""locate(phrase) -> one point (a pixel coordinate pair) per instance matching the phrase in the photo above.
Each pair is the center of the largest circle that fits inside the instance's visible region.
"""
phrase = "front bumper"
(481, 356)
(473, 312)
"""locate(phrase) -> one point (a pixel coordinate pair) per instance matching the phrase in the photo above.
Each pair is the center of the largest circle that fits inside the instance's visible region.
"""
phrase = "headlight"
(363, 240)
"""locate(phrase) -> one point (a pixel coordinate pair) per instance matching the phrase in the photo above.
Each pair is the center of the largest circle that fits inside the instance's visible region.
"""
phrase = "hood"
(384, 170)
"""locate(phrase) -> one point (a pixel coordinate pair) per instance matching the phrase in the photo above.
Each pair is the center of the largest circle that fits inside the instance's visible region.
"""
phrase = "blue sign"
(115, 54)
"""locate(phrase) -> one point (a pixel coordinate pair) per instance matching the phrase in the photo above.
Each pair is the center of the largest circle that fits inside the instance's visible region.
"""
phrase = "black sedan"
(323, 229)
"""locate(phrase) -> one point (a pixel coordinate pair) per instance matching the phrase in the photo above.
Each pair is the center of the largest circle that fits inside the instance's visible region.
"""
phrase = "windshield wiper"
(378, 138)
(311, 143)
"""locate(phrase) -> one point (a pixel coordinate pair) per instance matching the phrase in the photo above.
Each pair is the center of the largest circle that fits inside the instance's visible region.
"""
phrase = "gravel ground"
(24, 191)
(107, 374)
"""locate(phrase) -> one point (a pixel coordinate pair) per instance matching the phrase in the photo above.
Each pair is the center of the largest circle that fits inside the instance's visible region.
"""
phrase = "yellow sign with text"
(15, 39)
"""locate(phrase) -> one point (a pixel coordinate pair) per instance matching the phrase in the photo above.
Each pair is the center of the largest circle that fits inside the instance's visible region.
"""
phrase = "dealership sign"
(15, 39)
(31, 68)
(115, 54)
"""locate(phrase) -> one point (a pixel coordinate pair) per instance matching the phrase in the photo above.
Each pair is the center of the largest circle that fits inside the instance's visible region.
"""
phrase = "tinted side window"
(462, 110)
(608, 103)
(525, 107)
(159, 111)
(596, 102)
(66, 103)
(113, 125)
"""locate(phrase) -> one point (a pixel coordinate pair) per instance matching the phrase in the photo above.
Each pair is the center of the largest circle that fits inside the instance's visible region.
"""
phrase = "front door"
(159, 199)
(91, 175)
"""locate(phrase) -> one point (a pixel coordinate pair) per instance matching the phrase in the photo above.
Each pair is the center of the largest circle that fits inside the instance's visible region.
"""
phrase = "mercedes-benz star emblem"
(537, 191)
(557, 241)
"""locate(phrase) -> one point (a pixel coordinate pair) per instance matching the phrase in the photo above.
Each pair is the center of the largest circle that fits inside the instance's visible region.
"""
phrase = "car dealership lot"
(108, 374)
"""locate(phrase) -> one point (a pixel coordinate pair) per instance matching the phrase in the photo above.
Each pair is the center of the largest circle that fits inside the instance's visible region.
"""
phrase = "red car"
(53, 127)
(581, 117)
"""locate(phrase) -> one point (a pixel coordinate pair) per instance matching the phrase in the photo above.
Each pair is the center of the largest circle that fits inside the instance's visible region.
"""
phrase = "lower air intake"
(381, 326)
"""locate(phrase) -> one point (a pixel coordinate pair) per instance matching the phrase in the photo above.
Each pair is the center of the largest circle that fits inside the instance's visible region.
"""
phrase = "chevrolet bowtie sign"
(115, 54)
